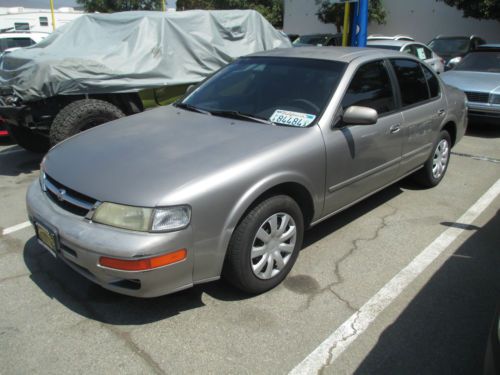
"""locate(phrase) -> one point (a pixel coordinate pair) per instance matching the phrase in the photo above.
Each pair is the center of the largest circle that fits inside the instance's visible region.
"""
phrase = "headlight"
(126, 217)
(143, 219)
(495, 99)
(171, 218)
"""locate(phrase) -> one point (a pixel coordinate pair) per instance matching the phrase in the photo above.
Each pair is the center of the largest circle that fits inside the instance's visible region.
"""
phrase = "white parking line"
(330, 349)
(15, 228)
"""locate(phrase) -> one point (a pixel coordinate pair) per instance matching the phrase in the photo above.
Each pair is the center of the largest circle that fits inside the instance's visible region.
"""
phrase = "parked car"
(95, 69)
(225, 181)
(18, 39)
(319, 40)
(478, 75)
(421, 51)
(395, 37)
(453, 48)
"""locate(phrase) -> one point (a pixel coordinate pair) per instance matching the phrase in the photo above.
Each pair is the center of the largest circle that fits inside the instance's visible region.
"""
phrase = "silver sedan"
(478, 75)
(225, 181)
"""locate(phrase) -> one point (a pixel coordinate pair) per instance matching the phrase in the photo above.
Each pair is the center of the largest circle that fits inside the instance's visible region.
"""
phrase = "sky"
(46, 3)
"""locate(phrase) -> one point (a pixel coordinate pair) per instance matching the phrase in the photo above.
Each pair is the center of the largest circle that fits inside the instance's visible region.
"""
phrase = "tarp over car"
(132, 51)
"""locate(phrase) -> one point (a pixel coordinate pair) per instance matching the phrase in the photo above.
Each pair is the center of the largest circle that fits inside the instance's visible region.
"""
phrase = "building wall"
(422, 19)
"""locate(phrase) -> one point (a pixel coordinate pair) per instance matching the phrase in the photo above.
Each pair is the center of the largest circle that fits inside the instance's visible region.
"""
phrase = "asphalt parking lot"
(433, 318)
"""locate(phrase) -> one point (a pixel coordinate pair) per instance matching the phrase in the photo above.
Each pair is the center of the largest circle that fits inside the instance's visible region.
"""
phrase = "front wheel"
(435, 167)
(265, 245)
(82, 115)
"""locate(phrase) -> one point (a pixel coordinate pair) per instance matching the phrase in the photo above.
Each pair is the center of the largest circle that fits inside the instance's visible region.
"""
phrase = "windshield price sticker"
(291, 118)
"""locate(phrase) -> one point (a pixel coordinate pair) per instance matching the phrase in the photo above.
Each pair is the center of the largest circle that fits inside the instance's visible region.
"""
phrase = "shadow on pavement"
(483, 130)
(60, 282)
(336, 222)
(15, 161)
(445, 328)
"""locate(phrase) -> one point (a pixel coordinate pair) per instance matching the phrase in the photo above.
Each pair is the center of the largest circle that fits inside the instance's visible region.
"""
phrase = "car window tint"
(411, 80)
(371, 87)
(428, 53)
(432, 81)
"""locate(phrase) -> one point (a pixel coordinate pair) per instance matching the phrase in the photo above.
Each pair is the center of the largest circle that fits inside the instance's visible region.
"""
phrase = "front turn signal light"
(143, 264)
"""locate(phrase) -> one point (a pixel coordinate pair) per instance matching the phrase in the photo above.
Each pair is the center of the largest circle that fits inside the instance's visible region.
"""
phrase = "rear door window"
(371, 87)
(432, 82)
(412, 83)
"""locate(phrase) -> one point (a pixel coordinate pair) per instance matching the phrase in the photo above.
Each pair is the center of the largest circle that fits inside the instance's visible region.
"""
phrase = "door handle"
(395, 128)
(441, 112)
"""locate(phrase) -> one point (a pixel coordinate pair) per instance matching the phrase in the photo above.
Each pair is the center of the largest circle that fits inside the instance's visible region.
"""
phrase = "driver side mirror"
(356, 115)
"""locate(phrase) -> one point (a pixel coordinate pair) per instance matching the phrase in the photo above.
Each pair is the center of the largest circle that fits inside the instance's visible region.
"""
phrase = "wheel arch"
(451, 128)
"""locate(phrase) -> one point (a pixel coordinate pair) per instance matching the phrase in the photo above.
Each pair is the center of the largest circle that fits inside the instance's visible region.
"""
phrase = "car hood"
(472, 81)
(139, 160)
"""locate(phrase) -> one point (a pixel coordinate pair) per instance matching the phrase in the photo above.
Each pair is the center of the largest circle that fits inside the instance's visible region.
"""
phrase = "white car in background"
(421, 51)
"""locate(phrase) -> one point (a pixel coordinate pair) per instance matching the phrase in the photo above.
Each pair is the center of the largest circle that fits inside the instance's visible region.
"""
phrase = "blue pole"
(354, 25)
(363, 23)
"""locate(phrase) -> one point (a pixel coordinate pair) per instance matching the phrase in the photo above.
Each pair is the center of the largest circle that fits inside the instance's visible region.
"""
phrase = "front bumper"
(16, 116)
(484, 111)
(82, 243)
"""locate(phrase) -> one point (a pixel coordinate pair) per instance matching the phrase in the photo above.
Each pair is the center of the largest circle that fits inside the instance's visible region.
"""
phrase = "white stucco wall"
(423, 19)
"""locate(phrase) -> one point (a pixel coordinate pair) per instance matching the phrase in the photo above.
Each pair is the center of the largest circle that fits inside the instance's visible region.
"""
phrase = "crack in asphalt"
(477, 157)
(353, 332)
(339, 279)
(91, 312)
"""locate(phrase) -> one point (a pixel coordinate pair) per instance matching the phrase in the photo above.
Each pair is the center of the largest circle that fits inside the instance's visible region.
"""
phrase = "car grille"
(66, 198)
(478, 97)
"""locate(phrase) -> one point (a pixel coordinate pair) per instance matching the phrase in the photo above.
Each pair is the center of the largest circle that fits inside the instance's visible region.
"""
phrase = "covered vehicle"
(103, 66)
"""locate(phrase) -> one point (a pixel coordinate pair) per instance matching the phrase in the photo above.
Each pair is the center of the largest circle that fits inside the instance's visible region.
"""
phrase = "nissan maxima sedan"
(225, 181)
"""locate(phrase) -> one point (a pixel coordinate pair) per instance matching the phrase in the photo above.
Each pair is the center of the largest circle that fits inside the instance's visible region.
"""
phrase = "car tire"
(277, 220)
(436, 166)
(28, 139)
(82, 115)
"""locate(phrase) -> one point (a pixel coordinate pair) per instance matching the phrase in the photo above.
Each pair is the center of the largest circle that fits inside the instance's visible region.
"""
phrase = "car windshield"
(450, 46)
(311, 39)
(484, 61)
(266, 87)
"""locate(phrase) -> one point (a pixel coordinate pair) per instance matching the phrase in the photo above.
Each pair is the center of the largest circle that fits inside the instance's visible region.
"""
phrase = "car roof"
(342, 54)
(389, 42)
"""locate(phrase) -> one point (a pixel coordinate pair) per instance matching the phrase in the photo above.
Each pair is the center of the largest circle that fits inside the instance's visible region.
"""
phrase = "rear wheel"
(435, 167)
(28, 139)
(82, 115)
(265, 245)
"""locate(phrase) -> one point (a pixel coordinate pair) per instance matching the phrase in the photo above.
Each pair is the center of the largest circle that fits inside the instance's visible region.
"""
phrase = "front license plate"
(47, 238)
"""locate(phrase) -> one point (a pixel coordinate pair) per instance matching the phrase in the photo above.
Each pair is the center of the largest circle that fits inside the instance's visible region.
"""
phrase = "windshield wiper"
(192, 108)
(240, 115)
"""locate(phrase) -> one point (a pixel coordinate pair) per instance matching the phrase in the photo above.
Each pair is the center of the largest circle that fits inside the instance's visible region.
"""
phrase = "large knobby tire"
(265, 245)
(28, 140)
(436, 166)
(82, 115)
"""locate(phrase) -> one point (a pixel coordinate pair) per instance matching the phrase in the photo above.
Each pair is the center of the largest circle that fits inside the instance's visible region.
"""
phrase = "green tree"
(108, 6)
(334, 13)
(480, 9)
(272, 10)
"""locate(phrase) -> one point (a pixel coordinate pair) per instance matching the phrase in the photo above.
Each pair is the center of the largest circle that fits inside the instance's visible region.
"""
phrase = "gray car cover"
(131, 51)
